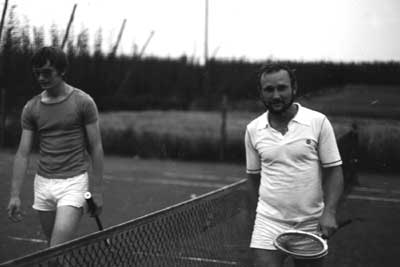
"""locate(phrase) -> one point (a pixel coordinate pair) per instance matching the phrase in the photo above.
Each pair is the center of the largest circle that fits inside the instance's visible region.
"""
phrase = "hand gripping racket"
(92, 207)
(304, 245)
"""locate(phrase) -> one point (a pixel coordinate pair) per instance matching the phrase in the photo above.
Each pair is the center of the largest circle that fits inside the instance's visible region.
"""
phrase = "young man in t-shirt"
(294, 167)
(66, 122)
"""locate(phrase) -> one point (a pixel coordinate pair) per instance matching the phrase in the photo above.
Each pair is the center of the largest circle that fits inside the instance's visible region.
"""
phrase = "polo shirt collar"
(300, 117)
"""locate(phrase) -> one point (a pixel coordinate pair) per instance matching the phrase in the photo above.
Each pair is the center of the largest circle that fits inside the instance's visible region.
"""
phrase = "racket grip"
(92, 207)
(344, 223)
(341, 224)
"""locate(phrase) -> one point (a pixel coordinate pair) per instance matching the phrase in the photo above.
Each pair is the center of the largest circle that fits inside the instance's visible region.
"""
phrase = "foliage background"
(128, 82)
(193, 94)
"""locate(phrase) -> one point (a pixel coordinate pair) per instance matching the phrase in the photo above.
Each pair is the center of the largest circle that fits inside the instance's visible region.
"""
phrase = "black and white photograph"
(249, 133)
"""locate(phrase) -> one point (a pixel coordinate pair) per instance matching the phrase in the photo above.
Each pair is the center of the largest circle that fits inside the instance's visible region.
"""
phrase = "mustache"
(276, 102)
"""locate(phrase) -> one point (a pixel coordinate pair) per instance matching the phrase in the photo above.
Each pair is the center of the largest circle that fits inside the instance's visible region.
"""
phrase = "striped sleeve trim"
(332, 164)
(253, 171)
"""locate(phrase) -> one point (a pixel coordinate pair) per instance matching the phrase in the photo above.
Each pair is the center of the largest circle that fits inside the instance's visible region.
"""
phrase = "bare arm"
(97, 155)
(332, 185)
(20, 166)
(253, 187)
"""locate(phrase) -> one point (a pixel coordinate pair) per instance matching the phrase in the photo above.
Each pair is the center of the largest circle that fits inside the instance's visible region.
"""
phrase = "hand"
(14, 209)
(327, 223)
(98, 203)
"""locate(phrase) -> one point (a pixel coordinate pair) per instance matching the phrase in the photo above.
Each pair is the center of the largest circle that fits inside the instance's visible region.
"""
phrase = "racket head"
(301, 244)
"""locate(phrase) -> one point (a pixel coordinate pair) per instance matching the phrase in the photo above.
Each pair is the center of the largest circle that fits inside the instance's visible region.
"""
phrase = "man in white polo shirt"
(294, 168)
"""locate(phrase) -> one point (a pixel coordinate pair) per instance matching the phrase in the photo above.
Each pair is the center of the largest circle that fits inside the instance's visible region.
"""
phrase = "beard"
(285, 106)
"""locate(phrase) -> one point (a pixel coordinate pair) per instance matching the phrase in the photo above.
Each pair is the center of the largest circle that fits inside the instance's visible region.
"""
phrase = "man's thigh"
(47, 219)
(268, 258)
(309, 263)
(66, 223)
(274, 258)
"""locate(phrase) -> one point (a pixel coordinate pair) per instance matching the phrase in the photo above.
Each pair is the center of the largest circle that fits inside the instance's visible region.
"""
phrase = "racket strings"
(300, 244)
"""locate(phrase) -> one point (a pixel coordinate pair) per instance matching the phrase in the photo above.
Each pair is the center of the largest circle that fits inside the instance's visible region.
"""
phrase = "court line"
(167, 182)
(375, 190)
(180, 182)
(384, 199)
(210, 177)
(188, 258)
(33, 240)
(183, 183)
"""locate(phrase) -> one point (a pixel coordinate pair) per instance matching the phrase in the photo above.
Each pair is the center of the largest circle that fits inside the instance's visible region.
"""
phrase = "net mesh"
(212, 230)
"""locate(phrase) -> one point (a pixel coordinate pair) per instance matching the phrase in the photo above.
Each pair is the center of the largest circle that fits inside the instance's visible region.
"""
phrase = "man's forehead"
(45, 66)
(281, 76)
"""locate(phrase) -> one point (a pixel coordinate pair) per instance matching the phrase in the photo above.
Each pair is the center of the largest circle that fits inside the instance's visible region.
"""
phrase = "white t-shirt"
(290, 164)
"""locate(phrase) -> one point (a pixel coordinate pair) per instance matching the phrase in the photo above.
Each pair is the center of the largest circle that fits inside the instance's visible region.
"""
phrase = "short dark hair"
(272, 68)
(56, 57)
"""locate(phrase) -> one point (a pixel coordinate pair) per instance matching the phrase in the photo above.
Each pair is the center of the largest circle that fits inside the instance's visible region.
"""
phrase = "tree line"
(130, 82)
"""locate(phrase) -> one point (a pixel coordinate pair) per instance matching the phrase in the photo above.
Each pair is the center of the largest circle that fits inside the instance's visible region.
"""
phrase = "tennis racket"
(92, 207)
(304, 245)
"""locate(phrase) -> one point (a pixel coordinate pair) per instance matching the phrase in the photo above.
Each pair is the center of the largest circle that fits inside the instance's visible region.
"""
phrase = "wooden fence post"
(223, 135)
(3, 17)
(3, 118)
(114, 50)
(3, 91)
(68, 27)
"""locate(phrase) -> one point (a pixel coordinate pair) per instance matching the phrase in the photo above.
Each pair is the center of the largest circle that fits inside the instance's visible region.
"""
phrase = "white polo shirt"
(290, 164)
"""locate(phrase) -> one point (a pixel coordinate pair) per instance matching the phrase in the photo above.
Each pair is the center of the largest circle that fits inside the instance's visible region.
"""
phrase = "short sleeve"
(327, 146)
(27, 118)
(89, 110)
(253, 163)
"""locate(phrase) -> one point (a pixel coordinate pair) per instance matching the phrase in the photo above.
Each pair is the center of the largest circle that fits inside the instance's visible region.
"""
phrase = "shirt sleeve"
(327, 146)
(253, 163)
(27, 118)
(89, 111)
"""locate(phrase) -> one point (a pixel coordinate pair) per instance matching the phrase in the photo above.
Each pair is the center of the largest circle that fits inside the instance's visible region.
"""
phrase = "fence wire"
(211, 230)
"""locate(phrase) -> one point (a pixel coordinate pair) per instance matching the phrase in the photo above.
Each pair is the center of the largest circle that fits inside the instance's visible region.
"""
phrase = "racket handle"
(344, 223)
(92, 207)
(341, 224)
(349, 221)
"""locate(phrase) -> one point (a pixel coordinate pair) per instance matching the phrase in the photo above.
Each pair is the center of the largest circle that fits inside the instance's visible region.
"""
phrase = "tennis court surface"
(212, 229)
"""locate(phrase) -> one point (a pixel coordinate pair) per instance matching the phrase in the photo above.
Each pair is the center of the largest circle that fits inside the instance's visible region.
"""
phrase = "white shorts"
(265, 230)
(52, 193)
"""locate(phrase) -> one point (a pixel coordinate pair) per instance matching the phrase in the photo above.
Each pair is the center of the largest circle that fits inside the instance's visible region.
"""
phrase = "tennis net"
(211, 230)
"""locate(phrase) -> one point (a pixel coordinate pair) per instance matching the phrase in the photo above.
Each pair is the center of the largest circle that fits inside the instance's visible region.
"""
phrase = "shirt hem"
(60, 176)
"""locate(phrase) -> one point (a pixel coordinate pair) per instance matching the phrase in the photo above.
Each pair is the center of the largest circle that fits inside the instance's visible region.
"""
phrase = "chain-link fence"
(212, 230)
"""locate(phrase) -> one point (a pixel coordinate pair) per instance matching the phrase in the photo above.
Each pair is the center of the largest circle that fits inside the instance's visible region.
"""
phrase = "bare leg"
(65, 224)
(47, 221)
(268, 258)
(309, 263)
